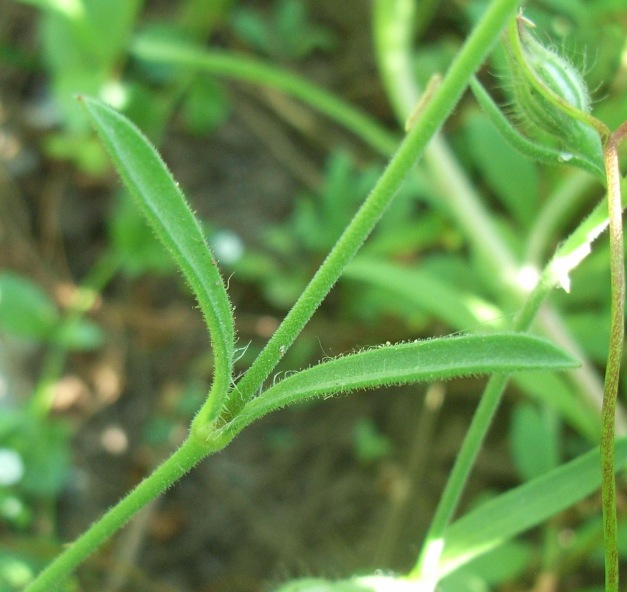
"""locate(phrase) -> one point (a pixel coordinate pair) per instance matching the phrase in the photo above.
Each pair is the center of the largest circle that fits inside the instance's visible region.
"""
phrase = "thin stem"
(612, 371)
(394, 37)
(188, 455)
(253, 70)
(435, 113)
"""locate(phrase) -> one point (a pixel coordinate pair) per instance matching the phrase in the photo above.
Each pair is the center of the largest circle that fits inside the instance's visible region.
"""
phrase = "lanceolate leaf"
(406, 363)
(164, 205)
(522, 508)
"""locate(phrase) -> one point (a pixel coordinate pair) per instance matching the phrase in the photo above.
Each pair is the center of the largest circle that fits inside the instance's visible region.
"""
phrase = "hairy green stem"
(187, 456)
(435, 113)
(612, 370)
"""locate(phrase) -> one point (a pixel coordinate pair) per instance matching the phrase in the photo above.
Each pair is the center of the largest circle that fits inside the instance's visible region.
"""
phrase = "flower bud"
(549, 94)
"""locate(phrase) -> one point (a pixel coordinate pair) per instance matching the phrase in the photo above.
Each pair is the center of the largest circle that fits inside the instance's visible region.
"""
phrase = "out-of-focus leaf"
(459, 309)
(79, 334)
(25, 309)
(512, 176)
(534, 440)
(554, 390)
(205, 106)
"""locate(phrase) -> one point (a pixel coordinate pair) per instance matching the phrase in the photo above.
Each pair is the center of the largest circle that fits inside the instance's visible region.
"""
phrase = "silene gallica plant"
(551, 122)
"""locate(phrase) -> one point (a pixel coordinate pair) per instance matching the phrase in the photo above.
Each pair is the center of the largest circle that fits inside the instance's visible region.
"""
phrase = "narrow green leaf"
(162, 202)
(406, 363)
(522, 508)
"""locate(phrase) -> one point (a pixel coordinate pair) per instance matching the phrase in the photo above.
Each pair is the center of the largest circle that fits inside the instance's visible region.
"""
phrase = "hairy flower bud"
(549, 94)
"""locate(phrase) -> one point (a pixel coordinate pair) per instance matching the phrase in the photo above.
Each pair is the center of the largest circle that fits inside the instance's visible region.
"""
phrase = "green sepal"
(541, 153)
(550, 96)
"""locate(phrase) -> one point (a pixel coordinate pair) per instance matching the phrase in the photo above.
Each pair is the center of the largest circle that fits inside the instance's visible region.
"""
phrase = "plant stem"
(612, 370)
(394, 37)
(393, 53)
(188, 455)
(256, 71)
(435, 113)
